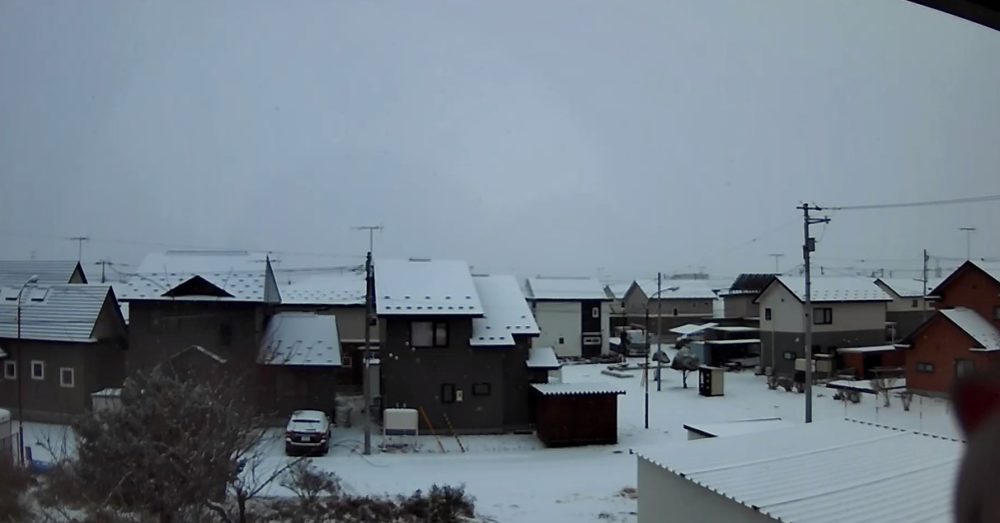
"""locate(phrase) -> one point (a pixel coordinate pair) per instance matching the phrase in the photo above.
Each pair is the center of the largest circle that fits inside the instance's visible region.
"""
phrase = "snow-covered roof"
(909, 288)
(692, 328)
(577, 389)
(835, 289)
(552, 288)
(863, 350)
(425, 287)
(682, 289)
(977, 327)
(735, 328)
(994, 272)
(506, 312)
(744, 341)
(542, 358)
(737, 427)
(66, 312)
(239, 275)
(618, 290)
(330, 289)
(14, 273)
(300, 338)
(824, 472)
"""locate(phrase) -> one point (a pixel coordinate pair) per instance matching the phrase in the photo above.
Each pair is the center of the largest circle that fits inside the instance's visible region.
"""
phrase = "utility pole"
(79, 245)
(777, 264)
(808, 247)
(369, 319)
(103, 264)
(968, 241)
(371, 234)
(659, 332)
(645, 369)
(924, 272)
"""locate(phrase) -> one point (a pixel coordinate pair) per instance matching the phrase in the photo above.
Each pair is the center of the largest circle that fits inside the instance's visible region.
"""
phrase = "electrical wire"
(926, 203)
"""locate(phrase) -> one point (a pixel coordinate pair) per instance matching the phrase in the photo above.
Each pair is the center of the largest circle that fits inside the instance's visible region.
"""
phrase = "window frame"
(31, 370)
(915, 304)
(477, 389)
(924, 367)
(822, 315)
(72, 377)
(435, 342)
(788, 353)
(449, 393)
(10, 365)
(768, 314)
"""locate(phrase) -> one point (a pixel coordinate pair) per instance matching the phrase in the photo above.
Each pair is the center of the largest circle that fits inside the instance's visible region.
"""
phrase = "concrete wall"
(940, 344)
(559, 319)
(665, 496)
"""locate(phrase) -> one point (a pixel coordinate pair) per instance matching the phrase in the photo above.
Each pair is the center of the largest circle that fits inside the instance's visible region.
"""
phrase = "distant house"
(847, 312)
(572, 313)
(908, 308)
(456, 346)
(14, 273)
(961, 336)
(616, 308)
(676, 303)
(71, 344)
(738, 299)
(299, 354)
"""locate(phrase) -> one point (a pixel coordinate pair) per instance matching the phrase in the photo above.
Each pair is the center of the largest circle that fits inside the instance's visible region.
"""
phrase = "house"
(298, 354)
(616, 308)
(847, 312)
(13, 273)
(456, 346)
(71, 344)
(738, 299)
(908, 308)
(572, 313)
(821, 472)
(675, 303)
(961, 336)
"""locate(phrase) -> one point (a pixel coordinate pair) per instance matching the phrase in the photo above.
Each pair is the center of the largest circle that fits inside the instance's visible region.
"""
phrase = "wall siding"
(940, 343)
(559, 319)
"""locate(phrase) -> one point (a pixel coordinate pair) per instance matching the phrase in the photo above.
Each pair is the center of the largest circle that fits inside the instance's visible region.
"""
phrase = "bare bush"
(14, 483)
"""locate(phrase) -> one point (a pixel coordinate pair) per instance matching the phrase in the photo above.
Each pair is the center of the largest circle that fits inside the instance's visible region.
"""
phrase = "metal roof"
(577, 389)
(692, 328)
(506, 312)
(565, 288)
(66, 312)
(425, 287)
(977, 327)
(908, 288)
(14, 273)
(836, 289)
(239, 275)
(542, 358)
(300, 339)
(333, 289)
(749, 283)
(618, 290)
(823, 472)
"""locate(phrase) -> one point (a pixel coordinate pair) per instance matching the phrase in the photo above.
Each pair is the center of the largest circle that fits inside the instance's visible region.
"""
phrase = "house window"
(964, 367)
(822, 316)
(447, 393)
(346, 361)
(675, 312)
(926, 368)
(767, 314)
(481, 389)
(595, 312)
(915, 303)
(562, 341)
(37, 370)
(789, 355)
(225, 334)
(67, 377)
(429, 334)
(10, 370)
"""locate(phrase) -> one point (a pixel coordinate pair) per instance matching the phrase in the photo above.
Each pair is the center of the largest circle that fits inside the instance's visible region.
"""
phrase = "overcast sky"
(566, 136)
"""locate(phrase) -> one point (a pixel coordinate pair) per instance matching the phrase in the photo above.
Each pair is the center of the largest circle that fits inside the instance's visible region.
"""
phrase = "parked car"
(308, 431)
(633, 343)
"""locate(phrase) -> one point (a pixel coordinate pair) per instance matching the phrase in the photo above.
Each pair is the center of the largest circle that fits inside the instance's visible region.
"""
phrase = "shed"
(574, 414)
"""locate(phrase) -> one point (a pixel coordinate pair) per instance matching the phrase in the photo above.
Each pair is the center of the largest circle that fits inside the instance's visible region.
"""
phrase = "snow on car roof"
(308, 415)
(506, 312)
(418, 287)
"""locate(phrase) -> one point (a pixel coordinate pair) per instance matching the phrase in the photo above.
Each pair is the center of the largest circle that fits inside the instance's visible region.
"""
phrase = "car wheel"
(289, 450)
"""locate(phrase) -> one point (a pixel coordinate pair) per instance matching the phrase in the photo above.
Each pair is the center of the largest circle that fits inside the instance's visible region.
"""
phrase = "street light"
(20, 374)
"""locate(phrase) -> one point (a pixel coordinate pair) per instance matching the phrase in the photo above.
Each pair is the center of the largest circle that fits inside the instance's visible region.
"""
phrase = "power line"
(925, 203)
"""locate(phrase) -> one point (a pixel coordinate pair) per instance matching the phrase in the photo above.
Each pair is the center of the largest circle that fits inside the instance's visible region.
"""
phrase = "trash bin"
(711, 380)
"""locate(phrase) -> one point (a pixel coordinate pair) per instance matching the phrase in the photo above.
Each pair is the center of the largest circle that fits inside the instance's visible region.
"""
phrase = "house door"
(964, 367)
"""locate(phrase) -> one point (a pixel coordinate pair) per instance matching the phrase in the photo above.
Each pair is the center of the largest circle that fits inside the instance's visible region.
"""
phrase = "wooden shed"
(574, 414)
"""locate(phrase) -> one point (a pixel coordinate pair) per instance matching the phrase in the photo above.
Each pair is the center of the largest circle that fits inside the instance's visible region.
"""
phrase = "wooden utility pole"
(659, 326)
(366, 358)
(925, 284)
(808, 247)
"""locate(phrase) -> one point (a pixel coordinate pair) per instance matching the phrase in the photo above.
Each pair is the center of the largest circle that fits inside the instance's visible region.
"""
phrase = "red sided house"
(962, 336)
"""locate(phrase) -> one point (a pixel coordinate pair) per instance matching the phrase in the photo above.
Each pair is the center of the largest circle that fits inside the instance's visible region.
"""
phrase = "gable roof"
(425, 287)
(66, 312)
(831, 290)
(977, 327)
(801, 473)
(680, 289)
(300, 339)
(506, 312)
(240, 276)
(907, 288)
(618, 290)
(968, 265)
(565, 288)
(330, 289)
(13, 273)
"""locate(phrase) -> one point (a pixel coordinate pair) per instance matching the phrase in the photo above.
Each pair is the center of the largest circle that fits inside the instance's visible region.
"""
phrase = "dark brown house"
(299, 355)
(455, 346)
(71, 344)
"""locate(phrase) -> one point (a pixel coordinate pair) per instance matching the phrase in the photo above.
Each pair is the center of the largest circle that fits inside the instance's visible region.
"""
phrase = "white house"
(572, 314)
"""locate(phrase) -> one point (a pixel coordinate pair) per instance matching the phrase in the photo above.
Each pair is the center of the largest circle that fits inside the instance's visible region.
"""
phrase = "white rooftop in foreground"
(566, 288)
(425, 287)
(300, 339)
(975, 326)
(506, 312)
(836, 289)
(822, 472)
(738, 427)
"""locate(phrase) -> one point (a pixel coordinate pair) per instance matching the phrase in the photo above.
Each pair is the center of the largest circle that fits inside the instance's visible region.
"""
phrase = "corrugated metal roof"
(836, 289)
(738, 427)
(566, 289)
(824, 472)
(977, 327)
(13, 273)
(577, 389)
(692, 328)
(240, 274)
(425, 287)
(542, 358)
(66, 312)
(300, 339)
(506, 312)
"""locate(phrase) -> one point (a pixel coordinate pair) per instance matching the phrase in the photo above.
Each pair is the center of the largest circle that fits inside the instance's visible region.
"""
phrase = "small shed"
(106, 399)
(575, 414)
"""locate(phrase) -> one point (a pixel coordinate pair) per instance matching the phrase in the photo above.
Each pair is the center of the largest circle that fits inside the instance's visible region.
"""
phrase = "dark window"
(10, 370)
(767, 314)
(562, 341)
(447, 393)
(429, 334)
(67, 377)
(789, 355)
(595, 312)
(915, 303)
(37, 370)
(675, 312)
(926, 368)
(822, 316)
(481, 389)
(964, 367)
(225, 334)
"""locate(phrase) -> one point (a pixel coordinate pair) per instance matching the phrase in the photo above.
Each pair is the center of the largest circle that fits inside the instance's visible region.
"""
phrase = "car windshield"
(300, 420)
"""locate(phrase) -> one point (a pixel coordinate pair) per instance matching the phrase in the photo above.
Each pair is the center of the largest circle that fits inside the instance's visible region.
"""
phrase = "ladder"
(452, 429)
(427, 420)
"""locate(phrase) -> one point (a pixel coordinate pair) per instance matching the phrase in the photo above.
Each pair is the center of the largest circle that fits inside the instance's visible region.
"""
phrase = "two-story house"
(68, 343)
(455, 346)
(909, 307)
(572, 313)
(674, 303)
(847, 312)
(963, 335)
(739, 299)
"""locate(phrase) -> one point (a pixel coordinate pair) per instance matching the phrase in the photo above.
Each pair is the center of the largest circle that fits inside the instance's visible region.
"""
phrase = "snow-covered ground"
(514, 478)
